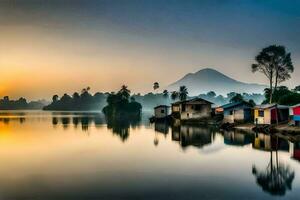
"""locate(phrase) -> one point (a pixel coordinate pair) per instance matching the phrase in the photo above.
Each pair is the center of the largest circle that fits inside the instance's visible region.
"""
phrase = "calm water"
(48, 155)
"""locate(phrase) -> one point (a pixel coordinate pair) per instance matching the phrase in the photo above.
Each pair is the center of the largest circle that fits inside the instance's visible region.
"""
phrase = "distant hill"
(209, 79)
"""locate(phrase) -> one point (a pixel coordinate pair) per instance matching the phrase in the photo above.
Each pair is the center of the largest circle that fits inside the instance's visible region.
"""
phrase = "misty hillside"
(209, 79)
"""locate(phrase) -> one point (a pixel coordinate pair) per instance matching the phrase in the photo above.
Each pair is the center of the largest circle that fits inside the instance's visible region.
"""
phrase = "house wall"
(296, 110)
(175, 108)
(190, 113)
(158, 112)
(228, 119)
(263, 120)
(238, 115)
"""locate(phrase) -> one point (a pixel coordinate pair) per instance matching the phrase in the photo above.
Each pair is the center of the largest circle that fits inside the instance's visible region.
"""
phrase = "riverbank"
(284, 128)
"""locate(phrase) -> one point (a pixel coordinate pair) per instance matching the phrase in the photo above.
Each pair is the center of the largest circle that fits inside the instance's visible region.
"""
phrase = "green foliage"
(155, 85)
(174, 95)
(276, 64)
(237, 98)
(119, 105)
(283, 96)
(79, 102)
(211, 94)
(166, 93)
(20, 104)
(252, 102)
(297, 88)
(183, 93)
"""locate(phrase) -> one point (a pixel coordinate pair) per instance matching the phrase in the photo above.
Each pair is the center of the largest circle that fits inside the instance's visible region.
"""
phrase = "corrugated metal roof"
(191, 100)
(267, 106)
(161, 106)
(229, 105)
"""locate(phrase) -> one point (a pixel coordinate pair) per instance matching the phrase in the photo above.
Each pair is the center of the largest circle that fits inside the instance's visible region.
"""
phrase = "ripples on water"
(63, 155)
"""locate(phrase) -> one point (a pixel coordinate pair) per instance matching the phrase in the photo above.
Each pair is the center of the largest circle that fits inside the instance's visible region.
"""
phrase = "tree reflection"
(84, 120)
(277, 177)
(7, 120)
(121, 127)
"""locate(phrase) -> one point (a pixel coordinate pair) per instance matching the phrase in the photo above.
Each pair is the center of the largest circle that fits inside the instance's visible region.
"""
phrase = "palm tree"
(124, 92)
(55, 98)
(155, 85)
(165, 93)
(183, 93)
(174, 95)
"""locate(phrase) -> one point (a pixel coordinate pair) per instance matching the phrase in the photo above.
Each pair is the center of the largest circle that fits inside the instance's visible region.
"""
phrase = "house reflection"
(237, 138)
(161, 127)
(295, 150)
(267, 142)
(197, 136)
(277, 177)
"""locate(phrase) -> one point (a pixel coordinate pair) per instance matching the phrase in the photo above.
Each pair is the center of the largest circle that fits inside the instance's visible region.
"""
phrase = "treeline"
(150, 100)
(282, 95)
(78, 102)
(21, 104)
(221, 100)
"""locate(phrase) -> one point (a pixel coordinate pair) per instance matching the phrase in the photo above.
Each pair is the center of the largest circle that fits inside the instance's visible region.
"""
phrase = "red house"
(296, 114)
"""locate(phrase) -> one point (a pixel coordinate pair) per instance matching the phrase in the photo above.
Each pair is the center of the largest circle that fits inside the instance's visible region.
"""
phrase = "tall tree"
(297, 88)
(183, 93)
(276, 64)
(155, 85)
(124, 92)
(55, 98)
(174, 95)
(211, 94)
(165, 93)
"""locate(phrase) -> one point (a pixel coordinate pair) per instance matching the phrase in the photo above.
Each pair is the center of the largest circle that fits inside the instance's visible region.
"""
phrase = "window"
(197, 107)
(261, 113)
(162, 111)
(231, 112)
(183, 107)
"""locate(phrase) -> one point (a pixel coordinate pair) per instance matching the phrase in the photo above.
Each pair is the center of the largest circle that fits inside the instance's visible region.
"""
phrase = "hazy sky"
(51, 47)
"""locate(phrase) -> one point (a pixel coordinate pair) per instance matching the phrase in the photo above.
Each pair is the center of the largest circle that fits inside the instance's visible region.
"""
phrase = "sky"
(60, 46)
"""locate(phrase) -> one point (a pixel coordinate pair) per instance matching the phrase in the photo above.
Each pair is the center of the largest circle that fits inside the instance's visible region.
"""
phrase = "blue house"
(237, 112)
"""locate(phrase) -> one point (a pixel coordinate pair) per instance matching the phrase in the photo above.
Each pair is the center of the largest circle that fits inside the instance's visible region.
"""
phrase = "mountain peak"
(207, 70)
(209, 79)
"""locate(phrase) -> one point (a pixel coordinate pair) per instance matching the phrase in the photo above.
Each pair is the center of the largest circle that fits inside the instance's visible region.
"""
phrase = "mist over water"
(64, 155)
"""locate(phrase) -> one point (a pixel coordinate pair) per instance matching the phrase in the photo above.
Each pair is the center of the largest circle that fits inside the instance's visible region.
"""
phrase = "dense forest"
(78, 102)
(21, 104)
(85, 101)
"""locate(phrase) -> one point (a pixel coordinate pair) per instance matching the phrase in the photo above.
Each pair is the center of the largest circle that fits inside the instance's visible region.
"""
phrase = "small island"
(121, 106)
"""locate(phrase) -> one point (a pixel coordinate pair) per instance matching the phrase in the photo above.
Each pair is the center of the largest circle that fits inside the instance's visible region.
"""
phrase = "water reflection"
(84, 120)
(122, 127)
(237, 138)
(197, 136)
(276, 177)
(264, 164)
(6, 120)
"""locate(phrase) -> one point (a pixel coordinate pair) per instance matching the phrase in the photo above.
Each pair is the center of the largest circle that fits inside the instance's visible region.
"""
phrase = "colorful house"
(296, 114)
(271, 114)
(196, 108)
(161, 111)
(236, 112)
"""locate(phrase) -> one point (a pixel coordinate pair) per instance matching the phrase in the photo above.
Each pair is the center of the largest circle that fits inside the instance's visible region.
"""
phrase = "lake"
(65, 155)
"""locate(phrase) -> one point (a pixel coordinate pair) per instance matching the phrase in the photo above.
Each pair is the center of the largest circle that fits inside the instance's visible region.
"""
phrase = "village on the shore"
(240, 115)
